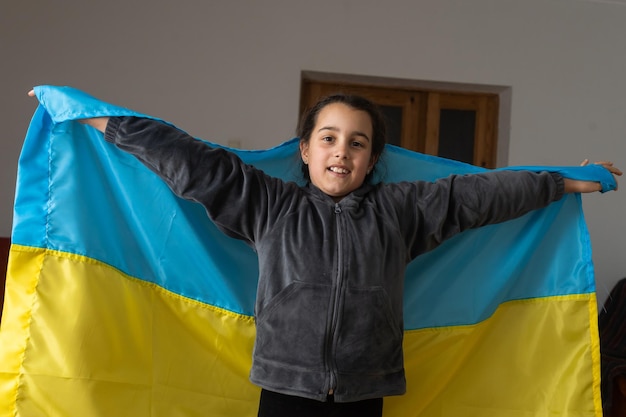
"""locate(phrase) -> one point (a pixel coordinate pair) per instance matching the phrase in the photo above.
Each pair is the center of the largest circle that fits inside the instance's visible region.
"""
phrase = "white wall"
(230, 70)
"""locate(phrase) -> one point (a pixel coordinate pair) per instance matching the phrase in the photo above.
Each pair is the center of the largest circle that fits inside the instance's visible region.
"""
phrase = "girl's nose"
(342, 150)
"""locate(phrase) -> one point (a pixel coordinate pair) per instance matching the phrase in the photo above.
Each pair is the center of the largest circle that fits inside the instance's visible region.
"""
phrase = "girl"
(332, 254)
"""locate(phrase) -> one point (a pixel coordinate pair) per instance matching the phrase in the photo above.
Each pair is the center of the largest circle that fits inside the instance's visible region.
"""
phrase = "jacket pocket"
(370, 338)
(290, 329)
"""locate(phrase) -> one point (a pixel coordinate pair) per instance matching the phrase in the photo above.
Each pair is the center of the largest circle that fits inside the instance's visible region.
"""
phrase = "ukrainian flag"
(124, 300)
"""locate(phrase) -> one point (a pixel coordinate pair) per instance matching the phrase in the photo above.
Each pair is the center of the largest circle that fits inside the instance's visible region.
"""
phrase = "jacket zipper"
(335, 305)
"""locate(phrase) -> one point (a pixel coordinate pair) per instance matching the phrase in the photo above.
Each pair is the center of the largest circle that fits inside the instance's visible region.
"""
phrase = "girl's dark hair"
(379, 129)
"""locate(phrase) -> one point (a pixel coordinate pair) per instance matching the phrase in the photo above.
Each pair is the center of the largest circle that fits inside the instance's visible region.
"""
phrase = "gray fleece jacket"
(329, 300)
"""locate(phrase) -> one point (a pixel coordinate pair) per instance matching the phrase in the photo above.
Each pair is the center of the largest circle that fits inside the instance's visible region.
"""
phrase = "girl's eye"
(357, 144)
(327, 138)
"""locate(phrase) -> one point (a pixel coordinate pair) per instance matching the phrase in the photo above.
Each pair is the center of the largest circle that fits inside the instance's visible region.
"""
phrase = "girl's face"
(339, 151)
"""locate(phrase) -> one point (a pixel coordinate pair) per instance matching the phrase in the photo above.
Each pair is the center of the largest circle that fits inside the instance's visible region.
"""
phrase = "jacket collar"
(352, 200)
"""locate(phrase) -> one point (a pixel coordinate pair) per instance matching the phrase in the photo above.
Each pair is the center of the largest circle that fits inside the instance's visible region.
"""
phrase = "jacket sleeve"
(441, 209)
(234, 194)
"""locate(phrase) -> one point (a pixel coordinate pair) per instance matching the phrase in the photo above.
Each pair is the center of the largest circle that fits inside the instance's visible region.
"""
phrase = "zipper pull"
(337, 208)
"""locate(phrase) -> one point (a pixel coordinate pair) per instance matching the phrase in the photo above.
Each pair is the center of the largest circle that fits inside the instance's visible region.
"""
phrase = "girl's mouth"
(339, 170)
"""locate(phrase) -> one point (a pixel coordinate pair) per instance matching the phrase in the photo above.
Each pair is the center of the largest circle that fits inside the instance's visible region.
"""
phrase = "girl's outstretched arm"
(571, 186)
(578, 186)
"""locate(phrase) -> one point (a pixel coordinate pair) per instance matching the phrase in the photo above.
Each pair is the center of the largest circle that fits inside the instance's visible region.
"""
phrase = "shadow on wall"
(612, 326)
(5, 243)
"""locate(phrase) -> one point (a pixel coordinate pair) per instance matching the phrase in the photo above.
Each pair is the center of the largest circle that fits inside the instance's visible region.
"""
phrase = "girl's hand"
(578, 186)
(99, 123)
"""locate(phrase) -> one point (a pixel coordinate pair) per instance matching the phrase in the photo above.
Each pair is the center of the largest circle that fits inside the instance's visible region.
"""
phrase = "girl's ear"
(304, 151)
